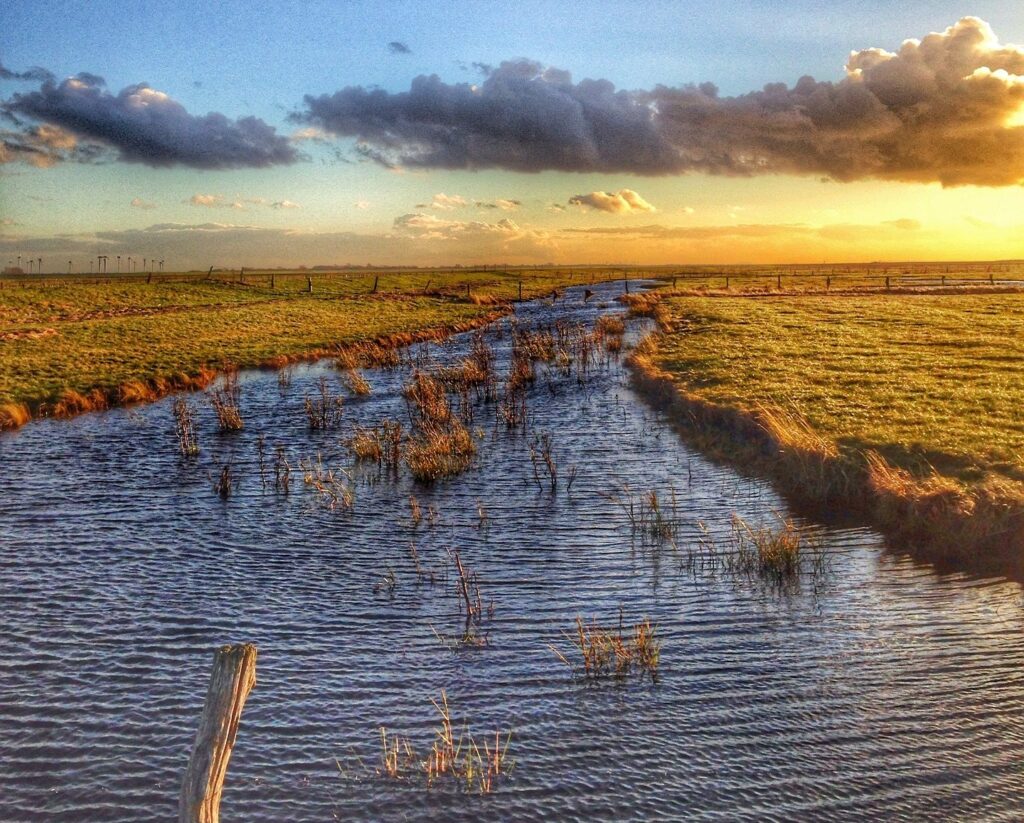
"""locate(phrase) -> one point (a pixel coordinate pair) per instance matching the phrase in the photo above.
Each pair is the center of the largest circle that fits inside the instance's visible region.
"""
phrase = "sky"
(411, 133)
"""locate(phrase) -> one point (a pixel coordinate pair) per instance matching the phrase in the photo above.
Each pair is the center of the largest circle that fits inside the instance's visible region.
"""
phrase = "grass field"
(91, 341)
(932, 384)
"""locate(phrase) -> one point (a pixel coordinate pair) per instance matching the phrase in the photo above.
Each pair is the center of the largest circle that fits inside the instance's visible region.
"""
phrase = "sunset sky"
(272, 134)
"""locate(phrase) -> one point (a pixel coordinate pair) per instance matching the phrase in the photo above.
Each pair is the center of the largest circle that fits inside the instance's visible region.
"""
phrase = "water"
(878, 691)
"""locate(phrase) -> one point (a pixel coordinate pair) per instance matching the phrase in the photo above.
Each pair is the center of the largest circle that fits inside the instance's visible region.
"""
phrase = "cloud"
(501, 203)
(624, 201)
(444, 202)
(43, 146)
(362, 205)
(284, 204)
(398, 47)
(904, 223)
(940, 109)
(214, 201)
(139, 203)
(504, 235)
(8, 221)
(143, 125)
(35, 74)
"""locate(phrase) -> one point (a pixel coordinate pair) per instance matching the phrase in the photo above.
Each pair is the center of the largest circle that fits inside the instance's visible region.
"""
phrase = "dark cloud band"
(946, 108)
(146, 126)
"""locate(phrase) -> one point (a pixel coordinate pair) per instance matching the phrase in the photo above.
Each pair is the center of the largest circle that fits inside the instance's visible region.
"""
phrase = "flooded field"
(870, 688)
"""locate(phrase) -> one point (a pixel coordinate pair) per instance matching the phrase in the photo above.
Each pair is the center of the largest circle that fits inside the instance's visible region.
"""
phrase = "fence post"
(375, 279)
(233, 676)
(520, 291)
(779, 282)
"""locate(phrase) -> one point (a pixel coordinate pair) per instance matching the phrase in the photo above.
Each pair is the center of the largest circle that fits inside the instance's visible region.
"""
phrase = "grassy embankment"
(77, 344)
(908, 408)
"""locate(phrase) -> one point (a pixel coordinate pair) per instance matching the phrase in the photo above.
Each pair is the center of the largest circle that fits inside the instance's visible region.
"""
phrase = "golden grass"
(905, 407)
(603, 652)
(454, 756)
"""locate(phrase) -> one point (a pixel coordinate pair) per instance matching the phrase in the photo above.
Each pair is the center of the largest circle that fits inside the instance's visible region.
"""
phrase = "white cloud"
(139, 203)
(624, 201)
(284, 204)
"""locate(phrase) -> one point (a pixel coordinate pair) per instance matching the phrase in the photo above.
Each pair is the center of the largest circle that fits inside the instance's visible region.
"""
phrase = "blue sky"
(261, 59)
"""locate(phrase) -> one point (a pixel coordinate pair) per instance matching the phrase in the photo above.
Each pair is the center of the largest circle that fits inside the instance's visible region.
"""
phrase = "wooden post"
(520, 291)
(727, 281)
(271, 280)
(779, 279)
(233, 676)
(625, 279)
(376, 277)
(887, 282)
(943, 280)
(828, 283)
(309, 284)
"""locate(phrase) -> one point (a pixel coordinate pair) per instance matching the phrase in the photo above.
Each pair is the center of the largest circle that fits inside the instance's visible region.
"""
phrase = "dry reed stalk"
(185, 427)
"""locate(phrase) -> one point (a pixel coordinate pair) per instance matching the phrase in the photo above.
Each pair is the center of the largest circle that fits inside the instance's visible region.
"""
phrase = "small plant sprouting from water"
(387, 582)
(261, 457)
(324, 409)
(357, 384)
(777, 555)
(648, 515)
(599, 652)
(381, 444)
(542, 454)
(226, 401)
(471, 604)
(333, 487)
(224, 484)
(282, 471)
(185, 427)
(457, 758)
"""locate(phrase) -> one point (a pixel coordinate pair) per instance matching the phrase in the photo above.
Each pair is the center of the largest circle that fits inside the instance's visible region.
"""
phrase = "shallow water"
(879, 690)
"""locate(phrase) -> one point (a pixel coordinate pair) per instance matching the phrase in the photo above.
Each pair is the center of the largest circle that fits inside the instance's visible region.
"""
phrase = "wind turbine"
(119, 264)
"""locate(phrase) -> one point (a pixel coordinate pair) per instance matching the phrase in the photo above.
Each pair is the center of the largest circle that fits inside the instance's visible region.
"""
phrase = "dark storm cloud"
(146, 126)
(945, 108)
(34, 74)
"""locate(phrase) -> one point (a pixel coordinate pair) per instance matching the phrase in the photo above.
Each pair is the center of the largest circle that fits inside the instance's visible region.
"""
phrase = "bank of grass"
(72, 345)
(909, 407)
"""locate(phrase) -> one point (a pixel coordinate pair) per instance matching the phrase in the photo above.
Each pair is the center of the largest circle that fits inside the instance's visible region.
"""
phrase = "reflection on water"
(881, 692)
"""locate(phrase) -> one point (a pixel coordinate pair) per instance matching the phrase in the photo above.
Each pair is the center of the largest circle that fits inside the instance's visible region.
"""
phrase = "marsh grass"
(226, 401)
(599, 652)
(356, 383)
(440, 445)
(454, 756)
(649, 517)
(381, 443)
(542, 455)
(848, 400)
(282, 471)
(334, 488)
(323, 409)
(185, 427)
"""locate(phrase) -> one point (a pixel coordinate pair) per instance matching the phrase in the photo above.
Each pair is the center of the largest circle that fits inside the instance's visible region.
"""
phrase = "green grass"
(85, 333)
(928, 381)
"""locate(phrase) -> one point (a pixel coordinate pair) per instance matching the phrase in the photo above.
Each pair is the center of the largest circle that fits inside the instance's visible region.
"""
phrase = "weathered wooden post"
(233, 676)
(309, 284)
(779, 281)
(272, 280)
(520, 291)
(376, 277)
(625, 280)
(727, 281)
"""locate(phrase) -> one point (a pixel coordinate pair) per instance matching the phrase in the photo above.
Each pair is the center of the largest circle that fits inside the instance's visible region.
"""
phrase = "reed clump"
(324, 409)
(441, 445)
(226, 401)
(381, 443)
(599, 652)
(453, 756)
(334, 488)
(185, 427)
(357, 384)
